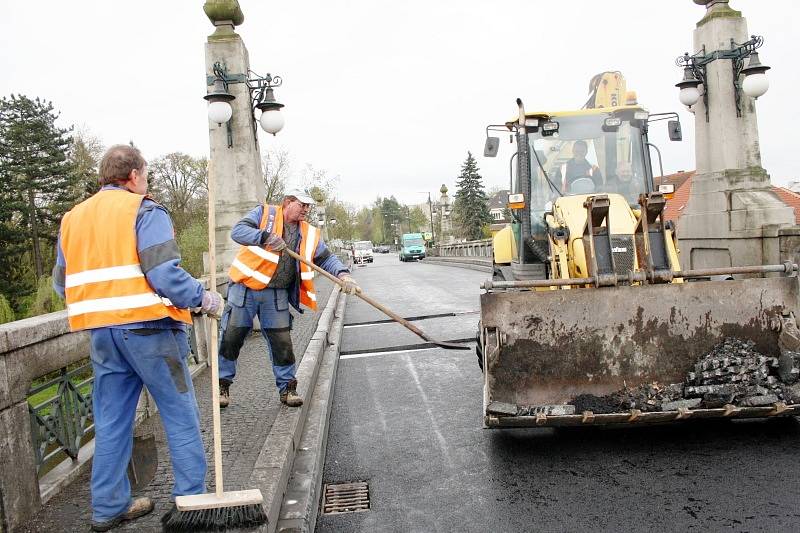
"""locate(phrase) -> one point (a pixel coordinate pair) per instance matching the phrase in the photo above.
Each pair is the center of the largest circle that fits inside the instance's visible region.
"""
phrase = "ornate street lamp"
(261, 94)
(755, 81)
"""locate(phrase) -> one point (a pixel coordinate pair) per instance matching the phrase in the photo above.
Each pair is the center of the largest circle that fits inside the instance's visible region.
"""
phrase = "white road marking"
(439, 436)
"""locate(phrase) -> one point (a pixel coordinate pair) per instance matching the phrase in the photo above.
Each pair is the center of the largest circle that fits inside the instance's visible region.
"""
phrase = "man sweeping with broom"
(118, 267)
(265, 281)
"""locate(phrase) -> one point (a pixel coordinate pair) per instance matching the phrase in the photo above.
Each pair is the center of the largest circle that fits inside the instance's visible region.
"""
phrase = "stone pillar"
(239, 182)
(731, 201)
(445, 226)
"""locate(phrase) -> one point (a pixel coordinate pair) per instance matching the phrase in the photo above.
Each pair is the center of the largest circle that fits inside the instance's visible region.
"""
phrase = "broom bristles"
(217, 519)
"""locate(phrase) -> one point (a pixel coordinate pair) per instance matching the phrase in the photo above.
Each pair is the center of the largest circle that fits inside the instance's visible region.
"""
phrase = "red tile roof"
(677, 204)
(790, 198)
(677, 179)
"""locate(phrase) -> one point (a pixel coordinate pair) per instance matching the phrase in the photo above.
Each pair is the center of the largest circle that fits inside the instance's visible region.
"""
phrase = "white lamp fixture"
(690, 93)
(755, 81)
(219, 102)
(219, 112)
(271, 117)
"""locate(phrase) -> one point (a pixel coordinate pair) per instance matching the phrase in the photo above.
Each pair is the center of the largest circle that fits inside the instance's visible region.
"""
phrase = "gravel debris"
(732, 372)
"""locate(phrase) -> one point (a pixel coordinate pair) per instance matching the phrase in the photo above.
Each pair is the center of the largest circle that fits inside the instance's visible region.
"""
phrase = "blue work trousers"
(123, 361)
(272, 308)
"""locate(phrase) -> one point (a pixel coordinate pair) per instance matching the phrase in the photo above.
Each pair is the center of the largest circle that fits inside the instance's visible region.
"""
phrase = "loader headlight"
(516, 201)
(549, 128)
(612, 124)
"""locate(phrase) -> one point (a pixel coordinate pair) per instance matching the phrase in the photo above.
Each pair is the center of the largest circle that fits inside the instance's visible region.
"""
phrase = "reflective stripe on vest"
(104, 282)
(308, 296)
(255, 266)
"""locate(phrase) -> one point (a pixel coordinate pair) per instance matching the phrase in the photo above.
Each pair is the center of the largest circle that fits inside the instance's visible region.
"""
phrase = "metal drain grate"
(346, 498)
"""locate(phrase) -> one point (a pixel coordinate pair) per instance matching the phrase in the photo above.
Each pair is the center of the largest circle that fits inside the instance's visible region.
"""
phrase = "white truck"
(362, 252)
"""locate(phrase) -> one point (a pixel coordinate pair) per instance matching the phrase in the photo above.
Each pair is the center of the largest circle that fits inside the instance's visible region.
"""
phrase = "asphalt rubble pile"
(733, 372)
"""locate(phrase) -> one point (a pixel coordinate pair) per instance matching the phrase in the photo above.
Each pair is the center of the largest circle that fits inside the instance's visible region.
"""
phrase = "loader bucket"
(543, 348)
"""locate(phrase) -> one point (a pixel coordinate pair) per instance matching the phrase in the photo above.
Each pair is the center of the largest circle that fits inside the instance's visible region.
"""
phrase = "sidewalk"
(245, 426)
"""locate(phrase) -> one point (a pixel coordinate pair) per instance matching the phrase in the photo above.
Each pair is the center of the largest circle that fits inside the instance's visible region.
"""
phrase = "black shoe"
(139, 507)
(224, 393)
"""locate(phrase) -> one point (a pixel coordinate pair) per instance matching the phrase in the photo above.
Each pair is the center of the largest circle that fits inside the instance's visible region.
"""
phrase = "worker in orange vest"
(264, 283)
(118, 267)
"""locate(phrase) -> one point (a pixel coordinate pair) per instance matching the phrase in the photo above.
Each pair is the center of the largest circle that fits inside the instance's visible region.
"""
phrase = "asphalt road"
(408, 422)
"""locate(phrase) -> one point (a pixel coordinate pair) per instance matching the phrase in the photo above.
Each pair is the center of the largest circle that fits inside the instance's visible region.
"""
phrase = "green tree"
(366, 226)
(84, 155)
(37, 186)
(344, 215)
(193, 243)
(393, 215)
(470, 210)
(419, 220)
(276, 173)
(46, 299)
(180, 183)
(6, 313)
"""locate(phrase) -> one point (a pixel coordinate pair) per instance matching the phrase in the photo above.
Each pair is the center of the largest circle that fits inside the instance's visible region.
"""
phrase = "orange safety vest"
(104, 283)
(254, 266)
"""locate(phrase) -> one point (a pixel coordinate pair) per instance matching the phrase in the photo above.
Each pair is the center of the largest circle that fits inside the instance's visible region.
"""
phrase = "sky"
(388, 96)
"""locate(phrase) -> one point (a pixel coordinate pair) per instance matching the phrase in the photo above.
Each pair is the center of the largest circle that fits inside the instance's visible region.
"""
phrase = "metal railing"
(60, 422)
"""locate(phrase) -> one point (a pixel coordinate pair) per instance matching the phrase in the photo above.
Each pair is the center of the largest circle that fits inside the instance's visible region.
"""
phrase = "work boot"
(139, 507)
(224, 392)
(289, 396)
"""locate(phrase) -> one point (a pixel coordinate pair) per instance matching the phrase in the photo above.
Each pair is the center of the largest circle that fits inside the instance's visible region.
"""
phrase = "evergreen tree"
(470, 208)
(37, 186)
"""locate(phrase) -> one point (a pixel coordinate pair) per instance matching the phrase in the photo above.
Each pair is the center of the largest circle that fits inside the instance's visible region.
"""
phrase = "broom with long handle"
(220, 509)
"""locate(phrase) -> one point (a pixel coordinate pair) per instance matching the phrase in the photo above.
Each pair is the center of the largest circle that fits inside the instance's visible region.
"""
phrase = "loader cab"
(588, 151)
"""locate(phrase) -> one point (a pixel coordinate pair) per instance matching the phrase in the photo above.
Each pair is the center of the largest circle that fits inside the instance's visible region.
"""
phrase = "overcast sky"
(389, 96)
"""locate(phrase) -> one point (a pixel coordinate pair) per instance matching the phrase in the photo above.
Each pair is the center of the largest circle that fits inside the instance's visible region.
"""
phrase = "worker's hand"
(212, 304)
(350, 286)
(273, 242)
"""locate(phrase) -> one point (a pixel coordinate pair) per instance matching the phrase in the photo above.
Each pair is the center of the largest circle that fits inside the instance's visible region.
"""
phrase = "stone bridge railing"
(35, 438)
(480, 248)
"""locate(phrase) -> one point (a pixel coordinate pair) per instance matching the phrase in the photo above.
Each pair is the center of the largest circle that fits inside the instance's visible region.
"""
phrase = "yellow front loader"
(589, 318)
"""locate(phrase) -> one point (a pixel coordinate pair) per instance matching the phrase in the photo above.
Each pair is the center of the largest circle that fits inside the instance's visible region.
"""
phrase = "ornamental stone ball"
(709, 3)
(224, 10)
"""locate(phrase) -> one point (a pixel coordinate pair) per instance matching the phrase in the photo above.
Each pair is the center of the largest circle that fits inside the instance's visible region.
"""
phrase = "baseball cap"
(300, 195)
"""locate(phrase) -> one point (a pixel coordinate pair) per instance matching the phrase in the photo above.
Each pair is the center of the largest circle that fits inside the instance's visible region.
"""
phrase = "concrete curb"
(473, 263)
(274, 463)
(301, 501)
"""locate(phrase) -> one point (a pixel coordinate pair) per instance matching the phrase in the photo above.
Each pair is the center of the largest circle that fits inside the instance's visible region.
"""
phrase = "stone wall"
(29, 349)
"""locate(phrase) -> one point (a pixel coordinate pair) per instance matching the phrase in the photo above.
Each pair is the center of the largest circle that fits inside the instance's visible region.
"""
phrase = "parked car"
(362, 252)
(383, 249)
